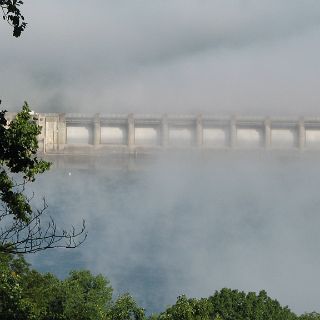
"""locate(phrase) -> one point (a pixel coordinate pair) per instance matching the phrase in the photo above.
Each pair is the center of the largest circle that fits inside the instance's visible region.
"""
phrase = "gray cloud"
(185, 56)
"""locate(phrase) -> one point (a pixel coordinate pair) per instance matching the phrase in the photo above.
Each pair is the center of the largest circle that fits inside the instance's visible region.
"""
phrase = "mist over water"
(192, 226)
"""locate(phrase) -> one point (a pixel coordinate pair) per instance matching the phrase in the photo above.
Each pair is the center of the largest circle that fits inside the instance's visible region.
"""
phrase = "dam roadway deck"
(76, 136)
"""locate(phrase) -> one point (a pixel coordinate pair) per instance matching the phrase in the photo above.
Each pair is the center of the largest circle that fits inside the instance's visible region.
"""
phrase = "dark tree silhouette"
(12, 14)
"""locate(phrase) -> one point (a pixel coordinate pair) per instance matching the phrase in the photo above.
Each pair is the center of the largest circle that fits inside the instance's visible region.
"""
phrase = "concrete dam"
(100, 135)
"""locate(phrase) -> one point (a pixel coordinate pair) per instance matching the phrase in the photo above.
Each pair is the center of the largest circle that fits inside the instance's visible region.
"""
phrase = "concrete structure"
(99, 134)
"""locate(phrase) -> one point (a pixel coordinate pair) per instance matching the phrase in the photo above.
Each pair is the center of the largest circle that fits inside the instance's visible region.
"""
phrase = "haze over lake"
(167, 227)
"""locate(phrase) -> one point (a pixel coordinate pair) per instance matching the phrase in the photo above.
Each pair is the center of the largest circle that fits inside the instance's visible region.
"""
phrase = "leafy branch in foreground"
(12, 14)
(18, 149)
(22, 228)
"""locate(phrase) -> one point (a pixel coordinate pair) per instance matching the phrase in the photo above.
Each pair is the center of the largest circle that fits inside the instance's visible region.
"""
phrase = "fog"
(176, 226)
(239, 56)
(172, 227)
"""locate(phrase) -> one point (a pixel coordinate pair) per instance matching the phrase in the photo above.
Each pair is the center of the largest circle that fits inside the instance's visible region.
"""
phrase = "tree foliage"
(12, 304)
(27, 294)
(87, 296)
(125, 308)
(228, 304)
(12, 14)
(24, 229)
(18, 149)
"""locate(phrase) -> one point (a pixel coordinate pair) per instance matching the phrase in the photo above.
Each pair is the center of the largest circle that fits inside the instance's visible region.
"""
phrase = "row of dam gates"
(83, 134)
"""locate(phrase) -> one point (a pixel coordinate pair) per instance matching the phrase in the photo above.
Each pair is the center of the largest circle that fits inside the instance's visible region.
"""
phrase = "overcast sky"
(214, 56)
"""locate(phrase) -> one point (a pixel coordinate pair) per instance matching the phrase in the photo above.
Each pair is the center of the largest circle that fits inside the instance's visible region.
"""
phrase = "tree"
(125, 308)
(87, 297)
(27, 294)
(189, 309)
(12, 14)
(12, 304)
(22, 228)
(228, 304)
(234, 304)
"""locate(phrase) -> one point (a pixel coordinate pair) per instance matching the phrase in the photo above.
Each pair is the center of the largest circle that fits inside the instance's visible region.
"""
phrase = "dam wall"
(102, 134)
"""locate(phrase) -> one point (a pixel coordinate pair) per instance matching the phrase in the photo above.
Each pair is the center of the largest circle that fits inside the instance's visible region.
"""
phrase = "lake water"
(192, 226)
